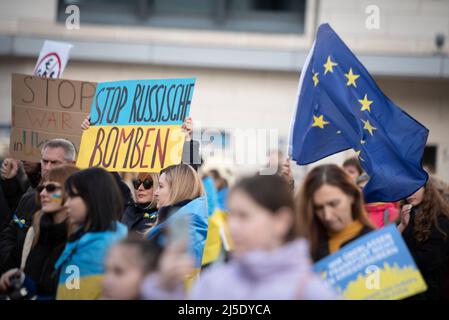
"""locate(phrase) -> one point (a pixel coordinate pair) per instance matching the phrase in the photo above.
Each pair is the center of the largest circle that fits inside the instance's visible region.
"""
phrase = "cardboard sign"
(52, 59)
(136, 125)
(44, 109)
(377, 266)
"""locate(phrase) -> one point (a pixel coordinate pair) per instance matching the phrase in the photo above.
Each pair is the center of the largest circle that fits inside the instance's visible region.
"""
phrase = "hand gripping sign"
(136, 125)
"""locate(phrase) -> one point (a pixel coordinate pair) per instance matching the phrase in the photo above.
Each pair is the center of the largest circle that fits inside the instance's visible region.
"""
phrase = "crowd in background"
(191, 232)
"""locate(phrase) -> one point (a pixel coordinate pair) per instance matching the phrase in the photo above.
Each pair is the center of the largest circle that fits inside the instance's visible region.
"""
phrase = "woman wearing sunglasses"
(43, 243)
(141, 215)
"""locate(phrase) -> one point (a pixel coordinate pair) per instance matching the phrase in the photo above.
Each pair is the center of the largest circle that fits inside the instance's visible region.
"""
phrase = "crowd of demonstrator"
(67, 233)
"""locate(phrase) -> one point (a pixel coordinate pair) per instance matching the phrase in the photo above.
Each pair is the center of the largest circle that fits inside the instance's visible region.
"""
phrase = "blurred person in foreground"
(269, 260)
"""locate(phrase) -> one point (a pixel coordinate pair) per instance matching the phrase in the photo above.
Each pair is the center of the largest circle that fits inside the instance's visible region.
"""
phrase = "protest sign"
(136, 125)
(52, 59)
(45, 108)
(377, 266)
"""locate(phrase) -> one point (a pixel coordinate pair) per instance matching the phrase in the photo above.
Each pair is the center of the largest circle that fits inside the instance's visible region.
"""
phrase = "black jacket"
(13, 189)
(5, 211)
(16, 187)
(139, 218)
(431, 256)
(124, 190)
(324, 251)
(13, 235)
(40, 263)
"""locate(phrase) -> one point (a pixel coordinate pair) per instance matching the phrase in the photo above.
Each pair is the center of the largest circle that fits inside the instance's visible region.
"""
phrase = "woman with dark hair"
(425, 229)
(353, 168)
(269, 261)
(141, 214)
(94, 204)
(44, 241)
(330, 207)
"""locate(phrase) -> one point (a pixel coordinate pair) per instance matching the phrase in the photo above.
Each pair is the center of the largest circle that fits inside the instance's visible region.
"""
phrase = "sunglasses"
(51, 187)
(147, 183)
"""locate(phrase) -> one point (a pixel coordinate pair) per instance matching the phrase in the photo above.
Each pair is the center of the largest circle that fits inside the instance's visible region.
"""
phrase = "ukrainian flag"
(218, 236)
(196, 210)
(81, 264)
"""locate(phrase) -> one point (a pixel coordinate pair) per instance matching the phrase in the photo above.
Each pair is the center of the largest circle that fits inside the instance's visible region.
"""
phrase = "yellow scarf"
(338, 238)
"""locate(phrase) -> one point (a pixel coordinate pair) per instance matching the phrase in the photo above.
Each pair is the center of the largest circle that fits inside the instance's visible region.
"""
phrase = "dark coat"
(139, 218)
(124, 190)
(41, 260)
(431, 256)
(5, 211)
(20, 193)
(14, 189)
(13, 235)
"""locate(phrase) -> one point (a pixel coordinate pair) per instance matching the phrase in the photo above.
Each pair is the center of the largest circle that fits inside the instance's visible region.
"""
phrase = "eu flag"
(341, 107)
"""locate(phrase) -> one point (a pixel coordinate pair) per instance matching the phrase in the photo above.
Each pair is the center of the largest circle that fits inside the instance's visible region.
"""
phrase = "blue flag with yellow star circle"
(340, 106)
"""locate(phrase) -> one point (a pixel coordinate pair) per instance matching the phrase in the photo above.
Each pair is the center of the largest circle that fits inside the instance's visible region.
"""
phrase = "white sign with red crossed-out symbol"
(52, 59)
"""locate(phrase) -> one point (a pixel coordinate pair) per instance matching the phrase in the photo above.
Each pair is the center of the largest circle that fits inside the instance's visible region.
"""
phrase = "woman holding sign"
(425, 229)
(331, 210)
(140, 215)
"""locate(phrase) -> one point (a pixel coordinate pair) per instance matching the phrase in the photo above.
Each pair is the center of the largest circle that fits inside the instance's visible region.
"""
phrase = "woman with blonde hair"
(141, 214)
(44, 241)
(180, 195)
(331, 210)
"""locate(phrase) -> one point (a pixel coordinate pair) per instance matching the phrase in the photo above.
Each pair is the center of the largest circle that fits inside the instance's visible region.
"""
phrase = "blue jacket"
(196, 210)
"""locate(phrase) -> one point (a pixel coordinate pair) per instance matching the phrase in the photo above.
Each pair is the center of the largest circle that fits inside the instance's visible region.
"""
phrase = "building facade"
(245, 55)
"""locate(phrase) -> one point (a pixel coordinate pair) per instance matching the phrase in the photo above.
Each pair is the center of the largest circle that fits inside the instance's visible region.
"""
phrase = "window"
(277, 16)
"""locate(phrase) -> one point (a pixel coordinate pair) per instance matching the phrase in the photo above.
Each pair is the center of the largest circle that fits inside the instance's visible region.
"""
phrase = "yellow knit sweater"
(338, 238)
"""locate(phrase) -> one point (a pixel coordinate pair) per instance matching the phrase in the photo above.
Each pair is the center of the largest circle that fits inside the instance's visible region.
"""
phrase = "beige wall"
(234, 98)
(227, 99)
(406, 26)
(39, 10)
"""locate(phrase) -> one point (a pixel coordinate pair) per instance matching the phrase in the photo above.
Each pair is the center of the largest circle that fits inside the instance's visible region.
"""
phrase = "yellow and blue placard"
(136, 125)
(377, 266)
